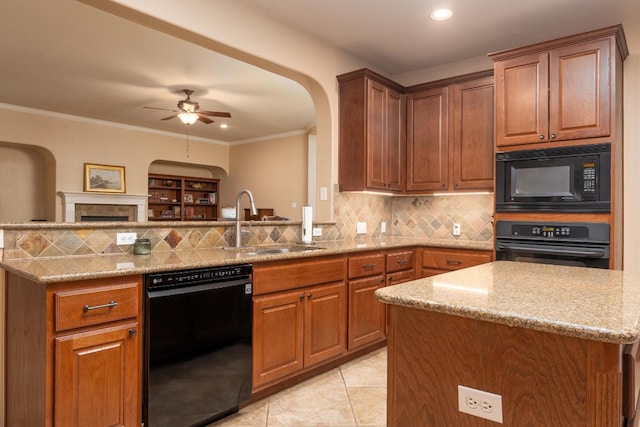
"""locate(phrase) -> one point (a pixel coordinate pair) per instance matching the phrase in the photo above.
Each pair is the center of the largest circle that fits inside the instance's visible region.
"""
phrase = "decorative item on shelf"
(168, 213)
(212, 198)
(150, 213)
(197, 185)
(176, 211)
(188, 212)
(103, 178)
(204, 200)
(188, 198)
(167, 183)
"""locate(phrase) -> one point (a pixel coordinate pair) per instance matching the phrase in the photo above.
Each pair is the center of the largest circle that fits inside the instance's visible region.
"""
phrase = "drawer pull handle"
(97, 307)
(368, 266)
(453, 262)
(403, 261)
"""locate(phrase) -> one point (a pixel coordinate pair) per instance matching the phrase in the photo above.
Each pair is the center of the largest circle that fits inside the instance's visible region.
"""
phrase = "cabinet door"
(376, 116)
(325, 320)
(427, 140)
(98, 378)
(366, 314)
(580, 91)
(522, 106)
(471, 135)
(277, 336)
(395, 146)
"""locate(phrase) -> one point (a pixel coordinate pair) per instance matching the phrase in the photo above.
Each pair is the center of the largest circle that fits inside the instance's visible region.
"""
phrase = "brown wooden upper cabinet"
(559, 90)
(372, 131)
(441, 134)
(450, 136)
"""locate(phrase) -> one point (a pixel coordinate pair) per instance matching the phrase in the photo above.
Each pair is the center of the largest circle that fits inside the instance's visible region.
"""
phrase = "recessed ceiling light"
(224, 125)
(441, 14)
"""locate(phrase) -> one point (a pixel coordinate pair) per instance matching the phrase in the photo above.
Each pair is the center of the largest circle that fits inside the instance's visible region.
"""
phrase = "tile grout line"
(346, 390)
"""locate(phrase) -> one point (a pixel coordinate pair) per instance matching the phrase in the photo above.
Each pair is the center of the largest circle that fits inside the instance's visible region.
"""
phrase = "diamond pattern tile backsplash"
(422, 217)
(416, 216)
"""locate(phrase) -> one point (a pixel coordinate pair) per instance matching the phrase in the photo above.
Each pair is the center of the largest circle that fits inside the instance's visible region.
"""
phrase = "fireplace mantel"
(70, 199)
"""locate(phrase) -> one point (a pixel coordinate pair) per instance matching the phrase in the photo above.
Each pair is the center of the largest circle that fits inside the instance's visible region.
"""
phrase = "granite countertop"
(588, 303)
(62, 269)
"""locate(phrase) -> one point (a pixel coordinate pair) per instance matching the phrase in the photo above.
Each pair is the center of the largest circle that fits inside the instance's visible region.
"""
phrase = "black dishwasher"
(197, 346)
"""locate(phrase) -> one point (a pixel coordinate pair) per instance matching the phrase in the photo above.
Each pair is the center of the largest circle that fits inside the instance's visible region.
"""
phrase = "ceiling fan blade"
(170, 117)
(163, 109)
(204, 120)
(215, 113)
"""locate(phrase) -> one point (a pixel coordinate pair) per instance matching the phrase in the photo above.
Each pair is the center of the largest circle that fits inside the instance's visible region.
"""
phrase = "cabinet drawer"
(286, 275)
(400, 277)
(453, 260)
(397, 261)
(91, 306)
(366, 265)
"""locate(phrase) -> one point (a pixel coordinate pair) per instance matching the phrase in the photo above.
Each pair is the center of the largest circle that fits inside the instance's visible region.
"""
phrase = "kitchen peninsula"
(550, 340)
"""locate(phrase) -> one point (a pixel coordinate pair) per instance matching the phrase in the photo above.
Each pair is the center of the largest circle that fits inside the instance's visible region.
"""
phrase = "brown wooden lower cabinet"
(74, 352)
(297, 329)
(439, 260)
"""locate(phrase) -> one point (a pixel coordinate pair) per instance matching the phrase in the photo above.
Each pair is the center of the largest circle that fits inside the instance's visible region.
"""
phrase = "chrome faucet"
(254, 211)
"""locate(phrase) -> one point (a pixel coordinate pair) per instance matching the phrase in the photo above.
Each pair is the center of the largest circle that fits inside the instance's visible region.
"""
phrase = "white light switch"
(323, 193)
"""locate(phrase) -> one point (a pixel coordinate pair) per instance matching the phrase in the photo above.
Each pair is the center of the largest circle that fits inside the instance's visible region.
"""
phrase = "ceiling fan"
(188, 111)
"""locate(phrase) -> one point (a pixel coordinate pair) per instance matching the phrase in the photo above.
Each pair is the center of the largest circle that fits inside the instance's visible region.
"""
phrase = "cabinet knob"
(455, 185)
(541, 136)
(553, 136)
(132, 332)
(442, 185)
(301, 296)
(382, 280)
(309, 295)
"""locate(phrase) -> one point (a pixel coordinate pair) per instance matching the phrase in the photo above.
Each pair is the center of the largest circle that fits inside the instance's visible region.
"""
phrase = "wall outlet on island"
(316, 231)
(126, 238)
(480, 403)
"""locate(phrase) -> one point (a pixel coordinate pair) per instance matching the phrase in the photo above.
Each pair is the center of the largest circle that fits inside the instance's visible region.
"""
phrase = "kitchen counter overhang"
(593, 304)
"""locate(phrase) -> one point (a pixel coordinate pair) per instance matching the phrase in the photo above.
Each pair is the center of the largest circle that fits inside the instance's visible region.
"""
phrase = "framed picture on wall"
(104, 178)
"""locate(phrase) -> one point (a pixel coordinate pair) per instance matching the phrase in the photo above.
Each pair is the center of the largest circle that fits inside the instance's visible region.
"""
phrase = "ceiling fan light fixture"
(188, 118)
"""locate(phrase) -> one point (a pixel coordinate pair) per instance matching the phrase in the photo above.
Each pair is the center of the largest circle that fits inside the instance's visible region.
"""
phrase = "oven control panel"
(550, 231)
(536, 231)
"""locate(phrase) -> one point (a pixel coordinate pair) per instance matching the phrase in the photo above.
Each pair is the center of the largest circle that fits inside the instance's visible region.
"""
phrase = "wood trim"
(372, 75)
(463, 78)
(291, 274)
(613, 31)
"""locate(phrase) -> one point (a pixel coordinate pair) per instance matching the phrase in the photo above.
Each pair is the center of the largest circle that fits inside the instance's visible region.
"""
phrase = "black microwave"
(563, 179)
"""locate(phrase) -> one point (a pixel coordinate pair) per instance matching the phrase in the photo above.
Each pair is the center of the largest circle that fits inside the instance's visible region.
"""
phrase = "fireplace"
(104, 207)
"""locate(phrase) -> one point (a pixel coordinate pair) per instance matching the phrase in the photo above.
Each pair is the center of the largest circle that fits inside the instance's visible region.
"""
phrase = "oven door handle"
(555, 250)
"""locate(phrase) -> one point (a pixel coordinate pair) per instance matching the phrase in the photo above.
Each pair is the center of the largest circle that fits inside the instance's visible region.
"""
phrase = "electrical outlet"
(383, 227)
(361, 228)
(316, 231)
(480, 403)
(456, 229)
(126, 238)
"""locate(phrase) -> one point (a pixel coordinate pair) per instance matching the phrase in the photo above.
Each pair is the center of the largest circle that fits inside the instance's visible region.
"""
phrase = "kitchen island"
(550, 340)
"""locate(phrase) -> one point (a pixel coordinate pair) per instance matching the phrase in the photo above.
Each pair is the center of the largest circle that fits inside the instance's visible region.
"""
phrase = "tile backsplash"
(416, 216)
(423, 217)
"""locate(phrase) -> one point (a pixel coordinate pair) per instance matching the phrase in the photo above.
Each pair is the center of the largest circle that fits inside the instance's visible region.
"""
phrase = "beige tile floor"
(354, 394)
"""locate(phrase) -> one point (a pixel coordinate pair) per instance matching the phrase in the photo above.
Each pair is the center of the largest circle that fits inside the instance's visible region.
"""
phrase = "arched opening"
(29, 172)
